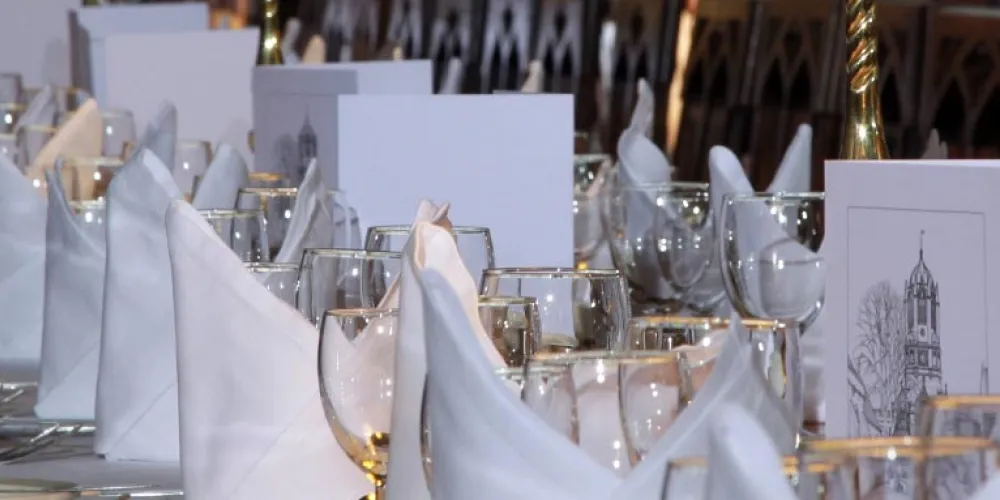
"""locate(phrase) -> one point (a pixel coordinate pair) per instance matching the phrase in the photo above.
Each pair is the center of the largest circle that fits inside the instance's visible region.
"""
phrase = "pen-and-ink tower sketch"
(293, 152)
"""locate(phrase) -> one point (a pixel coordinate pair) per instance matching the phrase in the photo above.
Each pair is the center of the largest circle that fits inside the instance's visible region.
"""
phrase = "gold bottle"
(864, 136)
(269, 48)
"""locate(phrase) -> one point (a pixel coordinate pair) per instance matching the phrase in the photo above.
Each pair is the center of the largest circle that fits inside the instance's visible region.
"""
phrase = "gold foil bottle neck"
(269, 47)
(864, 135)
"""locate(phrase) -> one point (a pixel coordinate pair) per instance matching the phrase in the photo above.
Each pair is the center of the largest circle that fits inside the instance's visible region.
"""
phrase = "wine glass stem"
(380, 490)
(795, 383)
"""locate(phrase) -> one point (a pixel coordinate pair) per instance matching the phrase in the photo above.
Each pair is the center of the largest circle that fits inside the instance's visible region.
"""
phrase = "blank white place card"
(295, 108)
(503, 161)
(34, 40)
(205, 74)
(92, 25)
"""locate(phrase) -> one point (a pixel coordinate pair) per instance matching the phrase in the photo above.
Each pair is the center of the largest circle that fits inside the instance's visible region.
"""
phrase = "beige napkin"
(252, 424)
(743, 462)
(81, 135)
(535, 79)
(936, 148)
(315, 52)
(22, 266)
(430, 247)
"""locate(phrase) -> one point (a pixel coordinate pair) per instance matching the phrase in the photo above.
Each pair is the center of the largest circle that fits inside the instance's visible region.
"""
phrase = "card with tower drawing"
(295, 109)
(913, 255)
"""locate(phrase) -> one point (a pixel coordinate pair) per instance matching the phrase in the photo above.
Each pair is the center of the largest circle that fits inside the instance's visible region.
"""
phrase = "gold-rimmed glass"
(897, 468)
(588, 309)
(812, 477)
(244, 231)
(589, 192)
(960, 415)
(276, 204)
(28, 93)
(282, 280)
(268, 180)
(88, 178)
(119, 129)
(10, 113)
(336, 278)
(31, 139)
(475, 244)
(357, 392)
(191, 161)
(512, 323)
(91, 216)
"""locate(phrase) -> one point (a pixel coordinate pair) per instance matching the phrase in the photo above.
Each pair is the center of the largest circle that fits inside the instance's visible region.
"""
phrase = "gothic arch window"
(922, 312)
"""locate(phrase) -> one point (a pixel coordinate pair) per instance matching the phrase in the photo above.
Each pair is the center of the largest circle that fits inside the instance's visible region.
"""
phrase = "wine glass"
(356, 390)
(10, 112)
(31, 139)
(277, 205)
(819, 478)
(88, 178)
(333, 278)
(475, 244)
(691, 256)
(8, 148)
(670, 332)
(119, 128)
(513, 324)
(91, 216)
(192, 160)
(961, 415)
(11, 86)
(589, 182)
(244, 231)
(268, 180)
(579, 309)
(771, 269)
(282, 280)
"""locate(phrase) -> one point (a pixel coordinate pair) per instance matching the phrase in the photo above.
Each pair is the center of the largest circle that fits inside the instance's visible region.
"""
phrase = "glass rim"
(958, 401)
(98, 204)
(402, 229)
(263, 267)
(698, 187)
(194, 143)
(363, 312)
(269, 192)
(520, 370)
(649, 356)
(711, 321)
(789, 464)
(352, 253)
(590, 158)
(576, 133)
(901, 446)
(230, 213)
(266, 176)
(506, 300)
(116, 112)
(15, 106)
(802, 196)
(38, 128)
(96, 161)
(551, 272)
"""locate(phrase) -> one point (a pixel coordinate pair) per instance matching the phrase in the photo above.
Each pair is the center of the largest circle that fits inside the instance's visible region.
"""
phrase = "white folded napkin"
(991, 491)
(430, 247)
(452, 81)
(41, 110)
(22, 266)
(137, 415)
(936, 148)
(290, 35)
(743, 462)
(484, 436)
(222, 181)
(252, 424)
(81, 135)
(535, 79)
(74, 298)
(312, 224)
(161, 135)
(315, 52)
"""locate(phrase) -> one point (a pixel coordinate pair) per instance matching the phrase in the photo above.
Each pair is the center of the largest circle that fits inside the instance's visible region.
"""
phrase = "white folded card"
(912, 287)
(91, 25)
(295, 108)
(35, 40)
(502, 161)
(205, 74)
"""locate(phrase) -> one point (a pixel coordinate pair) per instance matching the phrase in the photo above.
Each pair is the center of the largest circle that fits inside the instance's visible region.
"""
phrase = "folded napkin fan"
(484, 436)
(222, 181)
(252, 424)
(315, 52)
(452, 81)
(41, 110)
(430, 247)
(137, 415)
(81, 135)
(161, 135)
(743, 461)
(936, 148)
(22, 266)
(991, 491)
(290, 35)
(74, 297)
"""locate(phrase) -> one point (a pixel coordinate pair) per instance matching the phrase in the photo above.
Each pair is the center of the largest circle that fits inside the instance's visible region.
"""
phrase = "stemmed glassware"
(579, 309)
(8, 148)
(119, 129)
(589, 188)
(771, 268)
(10, 112)
(475, 244)
(88, 178)
(960, 415)
(357, 389)
(31, 139)
(282, 280)
(690, 260)
(333, 278)
(245, 231)
(11, 86)
(276, 204)
(191, 162)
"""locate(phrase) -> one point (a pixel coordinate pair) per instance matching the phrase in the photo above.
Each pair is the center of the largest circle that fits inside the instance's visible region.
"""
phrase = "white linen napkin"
(936, 148)
(222, 181)
(484, 436)
(452, 81)
(41, 110)
(252, 424)
(312, 224)
(430, 247)
(290, 35)
(991, 491)
(743, 462)
(81, 135)
(161, 135)
(535, 79)
(137, 415)
(74, 297)
(22, 267)
(315, 52)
